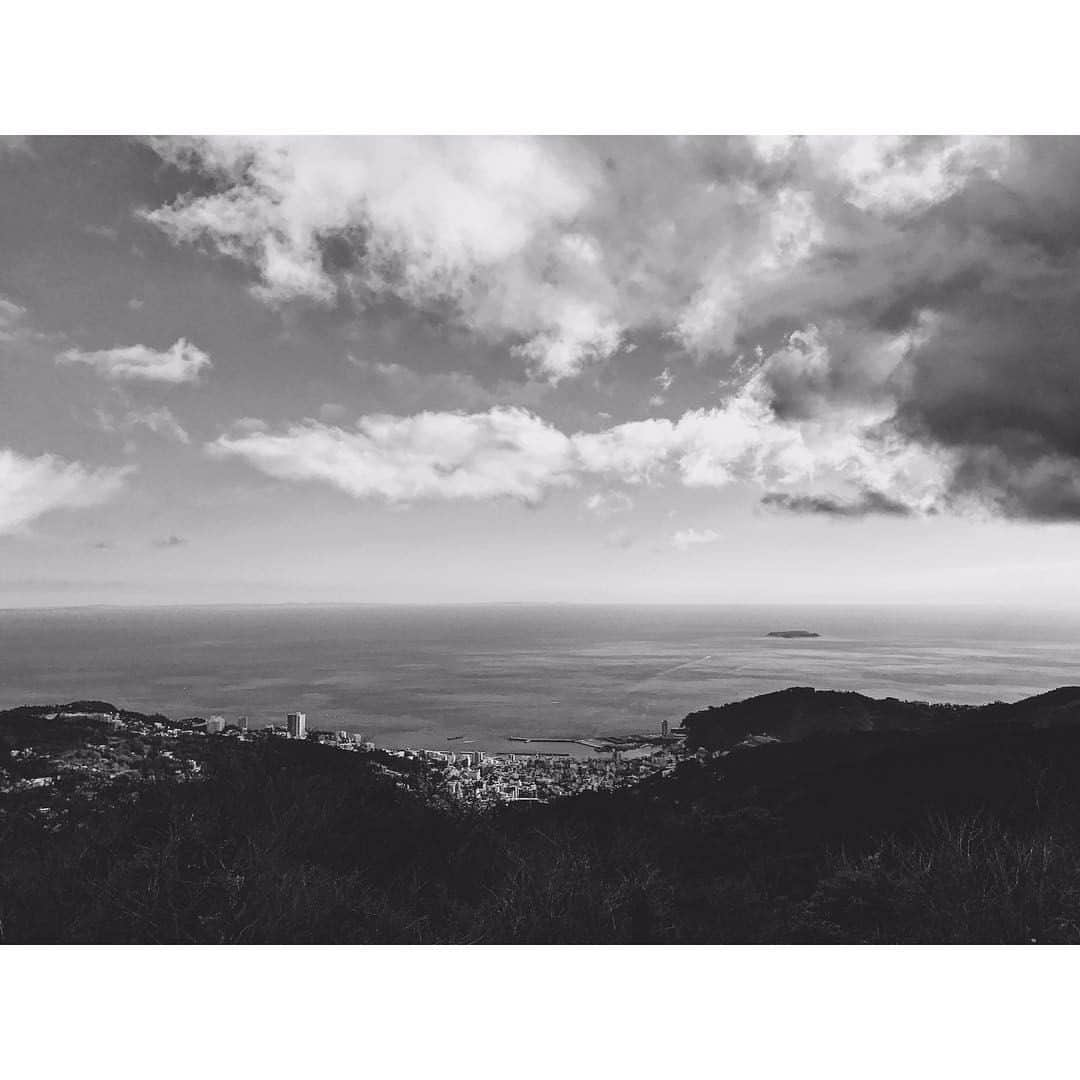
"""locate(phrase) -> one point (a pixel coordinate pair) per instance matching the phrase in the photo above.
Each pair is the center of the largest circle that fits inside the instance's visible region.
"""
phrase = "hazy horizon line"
(997, 605)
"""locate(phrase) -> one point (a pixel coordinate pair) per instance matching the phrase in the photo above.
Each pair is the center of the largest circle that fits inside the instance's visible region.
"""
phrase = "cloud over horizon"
(834, 447)
(504, 452)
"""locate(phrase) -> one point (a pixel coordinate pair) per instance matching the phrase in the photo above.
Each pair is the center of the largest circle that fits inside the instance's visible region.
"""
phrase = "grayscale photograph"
(517, 540)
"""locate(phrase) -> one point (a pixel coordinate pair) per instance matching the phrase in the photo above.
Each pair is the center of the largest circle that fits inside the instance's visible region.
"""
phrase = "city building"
(297, 723)
(215, 725)
(242, 723)
(663, 727)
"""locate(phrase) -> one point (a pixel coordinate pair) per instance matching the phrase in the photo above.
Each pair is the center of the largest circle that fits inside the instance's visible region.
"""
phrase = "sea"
(475, 675)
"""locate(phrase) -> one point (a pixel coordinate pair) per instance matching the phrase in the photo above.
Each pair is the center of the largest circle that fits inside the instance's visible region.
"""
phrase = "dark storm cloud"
(985, 283)
(870, 502)
(998, 382)
(1032, 485)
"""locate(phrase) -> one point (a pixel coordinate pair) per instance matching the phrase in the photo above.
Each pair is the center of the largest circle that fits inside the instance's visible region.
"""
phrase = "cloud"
(32, 486)
(562, 248)
(582, 333)
(794, 426)
(664, 380)
(790, 428)
(182, 363)
(780, 231)
(685, 539)
(869, 502)
(465, 221)
(636, 451)
(559, 248)
(503, 453)
(160, 421)
(889, 174)
(15, 326)
(977, 263)
(916, 300)
(11, 315)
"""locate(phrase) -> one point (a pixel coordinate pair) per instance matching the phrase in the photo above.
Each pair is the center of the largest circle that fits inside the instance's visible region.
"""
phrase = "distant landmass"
(792, 633)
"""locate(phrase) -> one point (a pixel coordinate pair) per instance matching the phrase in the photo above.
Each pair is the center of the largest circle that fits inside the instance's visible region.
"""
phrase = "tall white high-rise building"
(297, 722)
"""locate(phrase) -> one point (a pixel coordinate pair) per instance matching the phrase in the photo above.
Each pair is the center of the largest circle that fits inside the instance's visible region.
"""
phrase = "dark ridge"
(802, 711)
(137, 830)
(88, 707)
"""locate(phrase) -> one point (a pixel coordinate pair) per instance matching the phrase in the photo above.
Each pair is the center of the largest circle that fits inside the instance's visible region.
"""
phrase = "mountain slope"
(801, 711)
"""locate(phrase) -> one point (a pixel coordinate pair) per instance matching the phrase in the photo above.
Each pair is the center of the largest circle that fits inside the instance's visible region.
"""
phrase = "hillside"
(966, 833)
(801, 711)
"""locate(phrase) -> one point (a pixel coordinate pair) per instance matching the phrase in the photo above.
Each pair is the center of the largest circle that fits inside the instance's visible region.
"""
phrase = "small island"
(792, 633)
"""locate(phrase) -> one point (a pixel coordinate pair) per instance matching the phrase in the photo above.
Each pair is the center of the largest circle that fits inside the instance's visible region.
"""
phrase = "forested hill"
(120, 827)
(802, 711)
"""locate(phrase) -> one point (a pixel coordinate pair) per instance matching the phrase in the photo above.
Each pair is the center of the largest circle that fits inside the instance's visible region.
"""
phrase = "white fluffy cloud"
(160, 422)
(891, 173)
(562, 250)
(501, 453)
(881, 173)
(558, 248)
(785, 230)
(11, 314)
(180, 364)
(684, 539)
(472, 221)
(836, 447)
(32, 486)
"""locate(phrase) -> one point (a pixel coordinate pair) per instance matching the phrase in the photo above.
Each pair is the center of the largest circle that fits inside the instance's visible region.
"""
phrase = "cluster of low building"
(468, 775)
(477, 776)
(539, 777)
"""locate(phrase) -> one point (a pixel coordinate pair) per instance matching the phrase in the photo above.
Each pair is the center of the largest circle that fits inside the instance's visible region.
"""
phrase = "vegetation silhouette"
(967, 834)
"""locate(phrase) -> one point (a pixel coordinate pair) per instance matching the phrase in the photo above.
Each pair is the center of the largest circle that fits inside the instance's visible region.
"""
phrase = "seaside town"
(469, 776)
(529, 775)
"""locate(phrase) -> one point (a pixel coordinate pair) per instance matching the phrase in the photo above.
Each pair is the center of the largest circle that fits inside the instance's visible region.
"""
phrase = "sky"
(469, 369)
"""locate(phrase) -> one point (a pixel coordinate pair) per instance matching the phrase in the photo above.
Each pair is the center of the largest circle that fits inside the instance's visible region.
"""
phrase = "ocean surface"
(416, 676)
